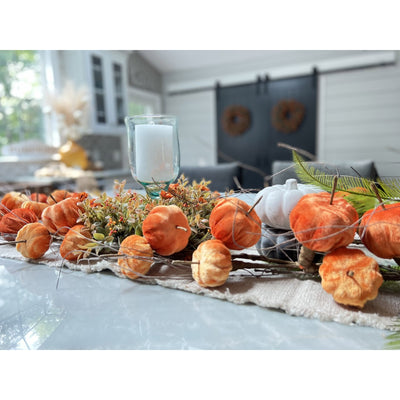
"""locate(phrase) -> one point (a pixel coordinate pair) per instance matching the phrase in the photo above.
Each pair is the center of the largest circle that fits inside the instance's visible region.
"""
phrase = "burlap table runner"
(294, 296)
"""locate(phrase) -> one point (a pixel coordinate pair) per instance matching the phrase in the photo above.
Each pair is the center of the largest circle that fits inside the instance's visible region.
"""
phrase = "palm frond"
(360, 189)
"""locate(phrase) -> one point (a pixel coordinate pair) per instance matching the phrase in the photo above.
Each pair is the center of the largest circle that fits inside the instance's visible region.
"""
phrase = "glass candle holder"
(153, 149)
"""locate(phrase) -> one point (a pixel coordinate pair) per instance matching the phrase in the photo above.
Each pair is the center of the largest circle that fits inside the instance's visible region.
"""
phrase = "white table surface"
(102, 311)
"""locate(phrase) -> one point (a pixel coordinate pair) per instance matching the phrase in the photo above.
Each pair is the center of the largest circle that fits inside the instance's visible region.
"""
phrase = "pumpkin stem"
(378, 196)
(350, 273)
(55, 201)
(306, 258)
(252, 207)
(181, 227)
(335, 181)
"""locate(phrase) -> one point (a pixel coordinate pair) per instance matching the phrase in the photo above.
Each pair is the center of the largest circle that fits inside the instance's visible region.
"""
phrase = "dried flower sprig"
(71, 107)
(112, 218)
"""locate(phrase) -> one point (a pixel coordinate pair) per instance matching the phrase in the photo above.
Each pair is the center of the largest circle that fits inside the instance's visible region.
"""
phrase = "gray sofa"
(283, 170)
(220, 175)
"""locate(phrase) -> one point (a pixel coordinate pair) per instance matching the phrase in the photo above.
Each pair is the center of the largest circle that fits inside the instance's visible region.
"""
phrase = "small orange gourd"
(13, 221)
(58, 195)
(379, 230)
(35, 240)
(350, 276)
(12, 200)
(166, 229)
(40, 197)
(323, 226)
(59, 217)
(36, 206)
(211, 263)
(235, 223)
(72, 246)
(138, 256)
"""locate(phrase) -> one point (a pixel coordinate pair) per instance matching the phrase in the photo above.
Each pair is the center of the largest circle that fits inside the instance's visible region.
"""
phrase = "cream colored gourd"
(278, 201)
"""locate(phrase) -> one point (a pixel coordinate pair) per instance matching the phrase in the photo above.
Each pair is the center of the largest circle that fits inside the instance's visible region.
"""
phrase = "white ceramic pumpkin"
(278, 201)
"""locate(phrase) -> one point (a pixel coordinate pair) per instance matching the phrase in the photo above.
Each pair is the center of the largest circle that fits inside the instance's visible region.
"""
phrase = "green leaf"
(360, 190)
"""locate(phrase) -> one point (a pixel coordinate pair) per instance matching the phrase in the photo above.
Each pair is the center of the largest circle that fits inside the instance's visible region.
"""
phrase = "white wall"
(359, 117)
(196, 126)
(358, 112)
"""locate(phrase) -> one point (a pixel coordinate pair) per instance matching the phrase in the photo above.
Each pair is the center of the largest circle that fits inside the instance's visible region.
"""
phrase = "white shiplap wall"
(196, 126)
(359, 117)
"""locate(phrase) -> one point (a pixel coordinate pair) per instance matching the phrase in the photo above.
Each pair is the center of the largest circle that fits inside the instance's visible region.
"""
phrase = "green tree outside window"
(21, 94)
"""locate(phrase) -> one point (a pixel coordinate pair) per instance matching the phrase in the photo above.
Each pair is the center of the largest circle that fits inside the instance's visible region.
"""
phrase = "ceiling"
(168, 61)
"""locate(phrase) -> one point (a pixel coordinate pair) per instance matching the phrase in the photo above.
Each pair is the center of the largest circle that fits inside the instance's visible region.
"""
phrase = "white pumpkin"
(278, 201)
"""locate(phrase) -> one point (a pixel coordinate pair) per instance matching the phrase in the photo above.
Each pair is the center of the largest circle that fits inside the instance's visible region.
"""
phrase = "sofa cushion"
(283, 170)
(220, 175)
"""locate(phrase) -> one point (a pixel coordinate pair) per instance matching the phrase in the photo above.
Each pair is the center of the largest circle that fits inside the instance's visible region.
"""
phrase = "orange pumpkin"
(58, 195)
(166, 229)
(379, 230)
(40, 197)
(12, 200)
(350, 276)
(59, 217)
(35, 240)
(72, 246)
(3, 211)
(138, 252)
(212, 263)
(36, 206)
(13, 221)
(232, 223)
(321, 226)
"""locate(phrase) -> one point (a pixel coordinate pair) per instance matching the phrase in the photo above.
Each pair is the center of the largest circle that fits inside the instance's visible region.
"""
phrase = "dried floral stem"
(252, 207)
(13, 242)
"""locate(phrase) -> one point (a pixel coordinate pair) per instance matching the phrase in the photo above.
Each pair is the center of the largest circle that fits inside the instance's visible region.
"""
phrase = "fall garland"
(236, 120)
(287, 116)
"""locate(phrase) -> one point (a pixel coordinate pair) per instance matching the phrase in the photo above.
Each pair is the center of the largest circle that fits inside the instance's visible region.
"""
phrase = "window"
(21, 95)
(97, 69)
(143, 102)
(119, 98)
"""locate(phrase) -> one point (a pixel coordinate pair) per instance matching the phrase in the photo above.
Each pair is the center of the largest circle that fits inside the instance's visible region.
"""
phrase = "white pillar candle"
(154, 153)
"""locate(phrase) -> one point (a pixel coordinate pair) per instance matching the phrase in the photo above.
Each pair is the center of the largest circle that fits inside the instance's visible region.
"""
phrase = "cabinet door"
(107, 71)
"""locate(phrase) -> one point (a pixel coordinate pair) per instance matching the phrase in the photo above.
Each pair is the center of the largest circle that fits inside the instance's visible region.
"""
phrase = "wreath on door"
(287, 115)
(236, 120)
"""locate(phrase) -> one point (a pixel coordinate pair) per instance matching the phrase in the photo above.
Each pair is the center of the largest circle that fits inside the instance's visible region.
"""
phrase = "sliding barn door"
(253, 118)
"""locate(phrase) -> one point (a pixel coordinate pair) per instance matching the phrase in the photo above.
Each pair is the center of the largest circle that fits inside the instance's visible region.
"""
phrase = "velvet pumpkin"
(277, 243)
(350, 276)
(36, 206)
(75, 239)
(166, 229)
(277, 202)
(13, 221)
(12, 200)
(3, 211)
(212, 263)
(379, 230)
(40, 197)
(58, 195)
(37, 240)
(59, 217)
(138, 252)
(321, 226)
(232, 223)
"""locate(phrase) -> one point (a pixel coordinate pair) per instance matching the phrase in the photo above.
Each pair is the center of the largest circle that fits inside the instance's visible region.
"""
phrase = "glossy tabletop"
(102, 311)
